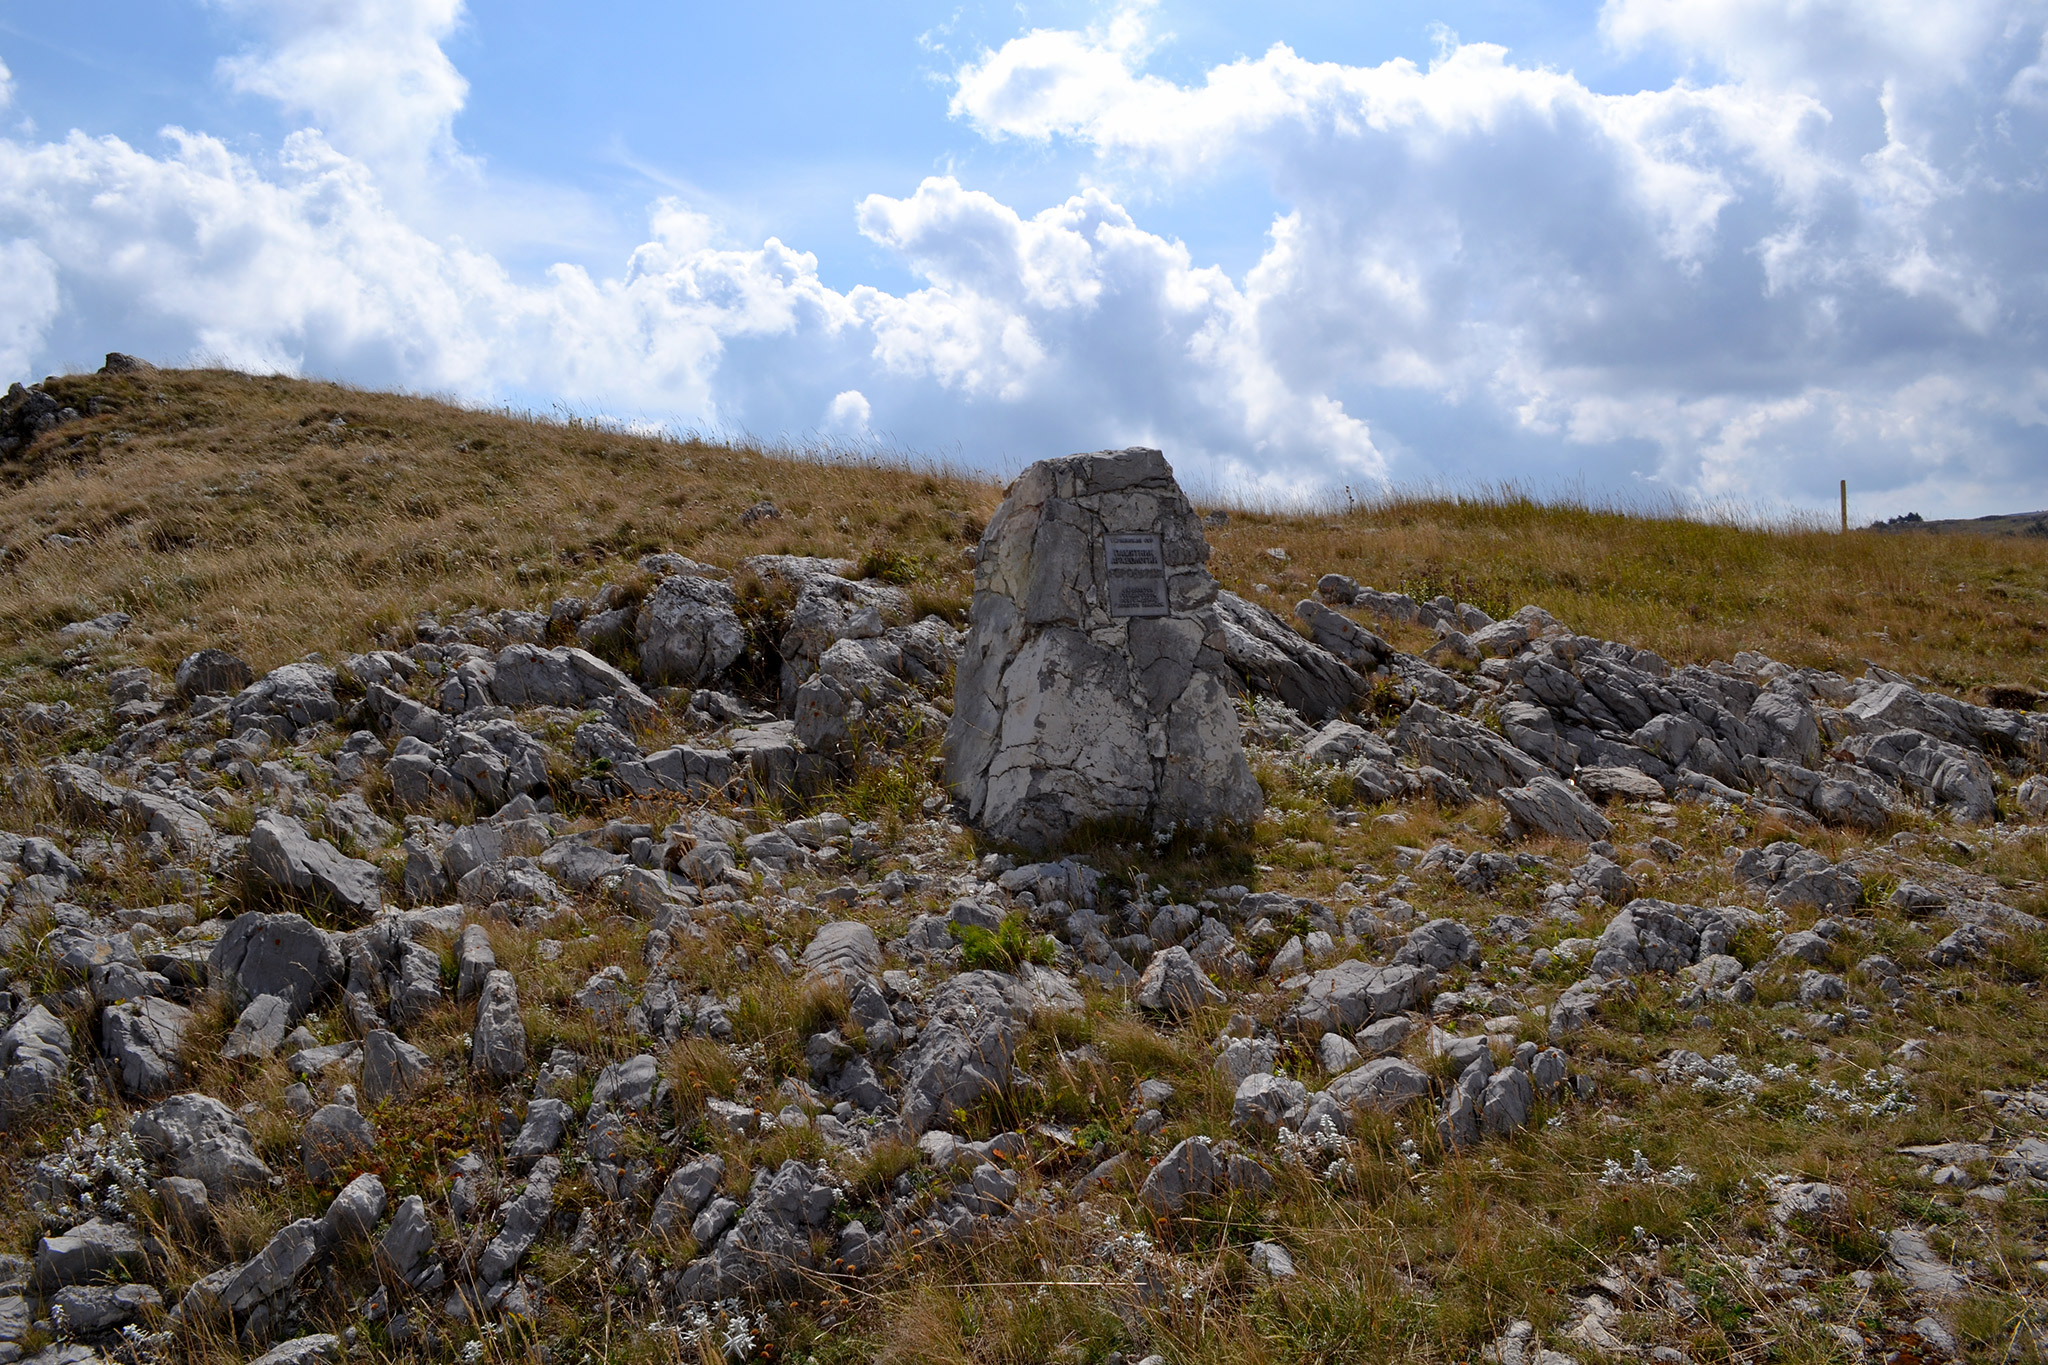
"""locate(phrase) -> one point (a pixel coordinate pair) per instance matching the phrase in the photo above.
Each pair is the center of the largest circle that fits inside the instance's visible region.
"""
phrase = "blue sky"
(1722, 251)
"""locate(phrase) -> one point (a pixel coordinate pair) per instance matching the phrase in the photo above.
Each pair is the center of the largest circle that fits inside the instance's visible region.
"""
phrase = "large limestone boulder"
(1092, 685)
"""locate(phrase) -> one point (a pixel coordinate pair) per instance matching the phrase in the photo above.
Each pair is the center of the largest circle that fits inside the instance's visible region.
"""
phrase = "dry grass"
(227, 509)
(1963, 610)
(222, 508)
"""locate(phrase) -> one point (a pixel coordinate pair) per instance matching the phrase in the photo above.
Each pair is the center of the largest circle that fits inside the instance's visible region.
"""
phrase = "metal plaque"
(1137, 576)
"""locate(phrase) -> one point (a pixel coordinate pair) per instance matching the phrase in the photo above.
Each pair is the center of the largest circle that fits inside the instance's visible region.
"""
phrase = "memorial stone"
(1091, 687)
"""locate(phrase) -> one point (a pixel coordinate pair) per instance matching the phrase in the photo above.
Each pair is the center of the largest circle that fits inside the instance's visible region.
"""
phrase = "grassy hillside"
(1645, 1212)
(278, 515)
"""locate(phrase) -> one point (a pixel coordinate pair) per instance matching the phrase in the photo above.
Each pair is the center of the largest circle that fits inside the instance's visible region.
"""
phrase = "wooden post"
(1845, 507)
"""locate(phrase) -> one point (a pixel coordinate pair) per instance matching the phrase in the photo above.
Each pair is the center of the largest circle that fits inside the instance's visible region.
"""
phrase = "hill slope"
(1643, 975)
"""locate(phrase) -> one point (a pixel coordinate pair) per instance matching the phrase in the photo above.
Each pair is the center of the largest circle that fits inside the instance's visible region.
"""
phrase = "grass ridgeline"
(274, 516)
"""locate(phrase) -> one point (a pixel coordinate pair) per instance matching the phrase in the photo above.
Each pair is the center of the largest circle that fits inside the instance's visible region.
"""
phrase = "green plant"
(1003, 949)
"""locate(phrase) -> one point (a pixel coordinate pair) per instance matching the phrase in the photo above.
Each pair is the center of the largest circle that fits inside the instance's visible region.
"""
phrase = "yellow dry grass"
(277, 516)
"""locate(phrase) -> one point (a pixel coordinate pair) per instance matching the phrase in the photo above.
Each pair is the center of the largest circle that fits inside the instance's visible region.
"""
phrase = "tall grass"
(276, 516)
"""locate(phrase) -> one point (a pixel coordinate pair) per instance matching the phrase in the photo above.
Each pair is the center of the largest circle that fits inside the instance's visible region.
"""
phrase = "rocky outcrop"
(1093, 686)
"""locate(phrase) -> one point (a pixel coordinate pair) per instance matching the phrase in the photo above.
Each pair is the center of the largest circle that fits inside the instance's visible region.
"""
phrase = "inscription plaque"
(1137, 576)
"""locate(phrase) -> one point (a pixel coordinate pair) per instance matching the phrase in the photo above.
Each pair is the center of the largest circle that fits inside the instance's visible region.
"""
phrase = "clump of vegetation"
(1003, 949)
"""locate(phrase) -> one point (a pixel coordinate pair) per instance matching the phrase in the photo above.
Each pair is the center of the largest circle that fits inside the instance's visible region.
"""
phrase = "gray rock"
(1618, 784)
(711, 1222)
(199, 1137)
(1268, 657)
(93, 1250)
(1264, 1100)
(355, 1212)
(1547, 806)
(282, 854)
(187, 1210)
(1067, 707)
(271, 1271)
(689, 631)
(523, 1220)
(547, 1123)
(259, 1031)
(211, 673)
(1793, 877)
(845, 950)
(35, 1059)
(1463, 748)
(295, 696)
(282, 955)
(321, 1348)
(1242, 1057)
(144, 1039)
(1337, 1054)
(335, 1139)
(391, 1066)
(349, 817)
(474, 962)
(1386, 1084)
(85, 791)
(629, 1084)
(1190, 1171)
(965, 1050)
(1342, 636)
(1174, 984)
(402, 1252)
(685, 1195)
(1508, 1101)
(1441, 944)
(498, 1045)
(1384, 1036)
(89, 1310)
(471, 847)
(1971, 943)
(1925, 1272)
(1352, 994)
(1273, 1259)
(528, 675)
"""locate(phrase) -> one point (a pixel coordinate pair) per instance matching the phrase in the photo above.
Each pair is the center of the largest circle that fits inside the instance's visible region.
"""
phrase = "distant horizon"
(1718, 254)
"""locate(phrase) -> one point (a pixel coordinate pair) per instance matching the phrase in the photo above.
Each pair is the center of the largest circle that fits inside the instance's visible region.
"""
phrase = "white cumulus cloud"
(371, 74)
(1810, 259)
(1815, 256)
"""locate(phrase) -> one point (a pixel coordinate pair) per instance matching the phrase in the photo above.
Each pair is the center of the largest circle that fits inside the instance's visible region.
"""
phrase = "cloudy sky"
(1725, 251)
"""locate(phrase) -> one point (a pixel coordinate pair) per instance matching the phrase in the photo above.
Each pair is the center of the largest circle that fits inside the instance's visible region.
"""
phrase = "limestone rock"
(1386, 1083)
(211, 672)
(1268, 657)
(1081, 696)
(334, 1140)
(689, 631)
(283, 854)
(1353, 994)
(199, 1137)
(845, 950)
(143, 1039)
(391, 1066)
(320, 1348)
(35, 1057)
(1174, 984)
(474, 961)
(1548, 806)
(498, 1046)
(354, 1213)
(93, 1250)
(282, 955)
(259, 1031)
